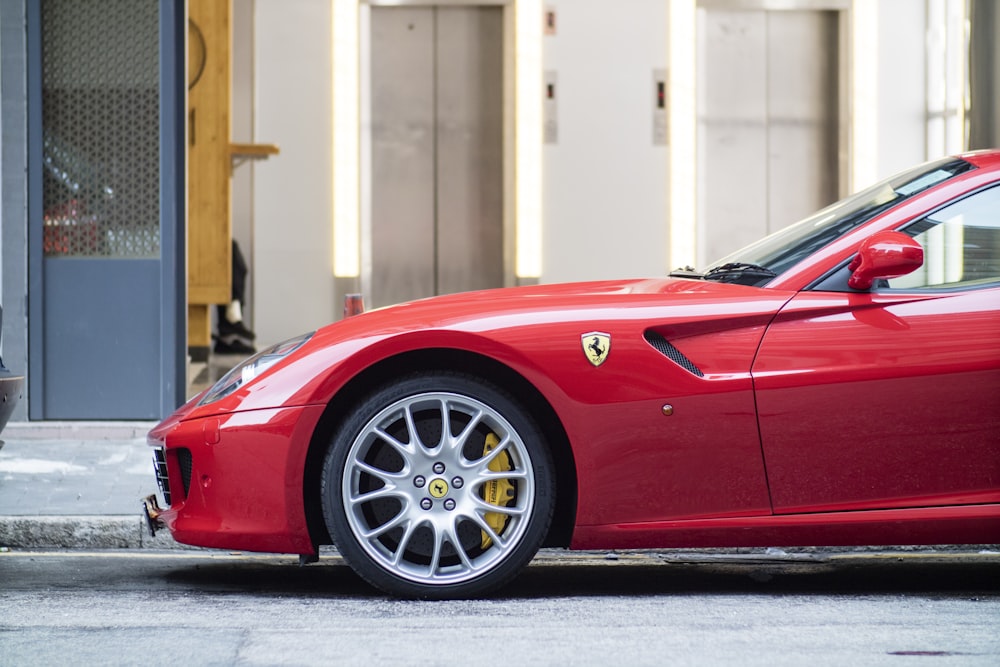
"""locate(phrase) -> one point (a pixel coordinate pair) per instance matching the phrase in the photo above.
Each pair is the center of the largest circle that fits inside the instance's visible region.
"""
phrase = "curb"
(77, 430)
(82, 532)
(129, 532)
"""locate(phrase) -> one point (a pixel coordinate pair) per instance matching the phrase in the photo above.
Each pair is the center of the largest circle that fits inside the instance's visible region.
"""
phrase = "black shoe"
(227, 328)
(233, 345)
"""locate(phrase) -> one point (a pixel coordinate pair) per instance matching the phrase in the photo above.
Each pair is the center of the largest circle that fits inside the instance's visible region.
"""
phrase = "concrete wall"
(243, 132)
(604, 182)
(902, 101)
(292, 258)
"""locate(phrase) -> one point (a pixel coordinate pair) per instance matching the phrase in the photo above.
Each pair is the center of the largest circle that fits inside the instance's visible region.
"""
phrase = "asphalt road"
(209, 608)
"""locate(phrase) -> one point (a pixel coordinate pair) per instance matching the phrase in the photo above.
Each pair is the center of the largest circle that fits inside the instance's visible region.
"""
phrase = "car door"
(891, 398)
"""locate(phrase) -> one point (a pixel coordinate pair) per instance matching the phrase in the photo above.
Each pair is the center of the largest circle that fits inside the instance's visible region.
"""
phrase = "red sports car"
(837, 383)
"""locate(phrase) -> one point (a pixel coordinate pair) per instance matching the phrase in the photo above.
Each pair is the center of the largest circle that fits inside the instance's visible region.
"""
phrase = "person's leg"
(239, 274)
(234, 337)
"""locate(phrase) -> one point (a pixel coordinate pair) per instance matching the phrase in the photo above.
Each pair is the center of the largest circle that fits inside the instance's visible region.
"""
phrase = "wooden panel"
(199, 325)
(209, 160)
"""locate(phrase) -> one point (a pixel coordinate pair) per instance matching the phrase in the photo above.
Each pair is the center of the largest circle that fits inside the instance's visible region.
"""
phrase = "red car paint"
(820, 417)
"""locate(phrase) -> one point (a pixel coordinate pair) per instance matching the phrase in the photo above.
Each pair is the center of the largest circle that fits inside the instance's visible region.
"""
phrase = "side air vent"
(666, 349)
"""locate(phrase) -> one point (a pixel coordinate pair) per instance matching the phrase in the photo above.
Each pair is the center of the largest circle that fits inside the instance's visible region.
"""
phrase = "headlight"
(251, 368)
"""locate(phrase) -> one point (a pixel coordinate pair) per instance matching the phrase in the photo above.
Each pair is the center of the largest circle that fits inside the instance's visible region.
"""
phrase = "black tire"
(434, 516)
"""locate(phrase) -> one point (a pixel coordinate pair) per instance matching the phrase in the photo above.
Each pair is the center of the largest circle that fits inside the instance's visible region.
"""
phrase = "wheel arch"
(446, 359)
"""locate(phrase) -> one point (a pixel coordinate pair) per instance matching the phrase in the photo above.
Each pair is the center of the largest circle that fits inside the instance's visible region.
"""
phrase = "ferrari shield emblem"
(596, 346)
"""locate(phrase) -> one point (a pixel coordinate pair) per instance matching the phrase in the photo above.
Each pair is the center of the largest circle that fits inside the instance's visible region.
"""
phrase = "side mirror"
(884, 255)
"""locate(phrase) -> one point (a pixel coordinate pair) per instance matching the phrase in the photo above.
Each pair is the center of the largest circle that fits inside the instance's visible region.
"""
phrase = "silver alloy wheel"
(415, 485)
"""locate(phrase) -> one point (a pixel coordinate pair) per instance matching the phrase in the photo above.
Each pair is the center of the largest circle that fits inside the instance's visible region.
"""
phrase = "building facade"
(435, 147)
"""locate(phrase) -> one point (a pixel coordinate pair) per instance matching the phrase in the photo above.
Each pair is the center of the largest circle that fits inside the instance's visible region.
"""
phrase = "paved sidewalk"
(76, 485)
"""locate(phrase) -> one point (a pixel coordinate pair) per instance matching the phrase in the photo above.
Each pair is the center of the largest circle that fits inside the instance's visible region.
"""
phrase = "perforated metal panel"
(100, 106)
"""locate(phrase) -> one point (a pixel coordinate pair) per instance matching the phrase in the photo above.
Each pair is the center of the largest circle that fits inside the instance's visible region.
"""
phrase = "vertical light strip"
(682, 28)
(528, 142)
(937, 80)
(346, 132)
(958, 49)
(864, 94)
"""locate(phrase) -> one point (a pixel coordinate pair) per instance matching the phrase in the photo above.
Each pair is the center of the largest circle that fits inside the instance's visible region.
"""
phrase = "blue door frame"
(107, 336)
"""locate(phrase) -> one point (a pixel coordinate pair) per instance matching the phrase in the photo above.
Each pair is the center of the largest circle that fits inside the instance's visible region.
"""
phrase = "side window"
(961, 244)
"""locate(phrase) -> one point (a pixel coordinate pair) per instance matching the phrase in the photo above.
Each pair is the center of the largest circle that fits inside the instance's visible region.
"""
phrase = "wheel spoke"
(411, 427)
(500, 509)
(381, 492)
(452, 537)
(458, 441)
(484, 462)
(435, 563)
(484, 525)
(445, 423)
(376, 532)
(384, 475)
(405, 450)
(444, 536)
(490, 475)
(404, 541)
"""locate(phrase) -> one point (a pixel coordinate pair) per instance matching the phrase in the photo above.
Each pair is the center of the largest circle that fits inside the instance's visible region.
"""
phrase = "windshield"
(759, 262)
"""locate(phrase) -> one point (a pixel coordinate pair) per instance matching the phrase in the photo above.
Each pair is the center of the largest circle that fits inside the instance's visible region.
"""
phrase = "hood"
(519, 306)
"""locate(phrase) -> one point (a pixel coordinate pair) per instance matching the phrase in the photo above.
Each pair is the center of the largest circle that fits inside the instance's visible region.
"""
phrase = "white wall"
(604, 183)
(902, 85)
(242, 117)
(292, 258)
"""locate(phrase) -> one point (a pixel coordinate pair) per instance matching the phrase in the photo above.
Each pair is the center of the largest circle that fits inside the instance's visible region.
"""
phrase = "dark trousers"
(239, 281)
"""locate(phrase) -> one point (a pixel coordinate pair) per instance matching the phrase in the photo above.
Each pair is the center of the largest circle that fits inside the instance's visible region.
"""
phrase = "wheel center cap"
(438, 488)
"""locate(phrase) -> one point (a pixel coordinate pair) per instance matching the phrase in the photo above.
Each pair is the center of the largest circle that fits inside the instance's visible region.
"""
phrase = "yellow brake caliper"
(499, 492)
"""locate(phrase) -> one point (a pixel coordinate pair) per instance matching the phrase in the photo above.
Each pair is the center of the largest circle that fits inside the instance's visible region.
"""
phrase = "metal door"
(768, 122)
(106, 166)
(436, 208)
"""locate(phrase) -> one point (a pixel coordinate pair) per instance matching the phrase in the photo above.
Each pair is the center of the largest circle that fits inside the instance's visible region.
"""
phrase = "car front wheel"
(438, 486)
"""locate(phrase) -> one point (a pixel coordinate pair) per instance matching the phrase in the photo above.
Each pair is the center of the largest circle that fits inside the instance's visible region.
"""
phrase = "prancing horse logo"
(596, 346)
(438, 488)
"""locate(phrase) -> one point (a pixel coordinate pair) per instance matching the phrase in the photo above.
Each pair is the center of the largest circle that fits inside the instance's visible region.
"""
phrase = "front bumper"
(234, 481)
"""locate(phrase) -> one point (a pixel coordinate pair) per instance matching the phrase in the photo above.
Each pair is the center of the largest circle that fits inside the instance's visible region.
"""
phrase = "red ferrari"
(837, 383)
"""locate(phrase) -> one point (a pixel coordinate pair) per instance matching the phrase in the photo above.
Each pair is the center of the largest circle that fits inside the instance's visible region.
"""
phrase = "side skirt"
(965, 524)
